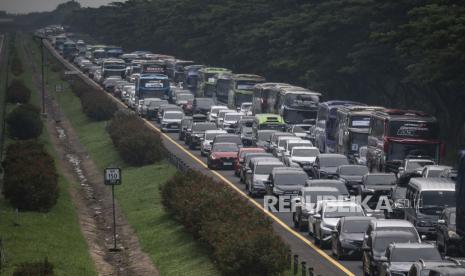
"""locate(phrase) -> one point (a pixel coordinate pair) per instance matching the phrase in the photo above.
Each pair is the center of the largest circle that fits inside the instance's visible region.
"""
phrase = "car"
(398, 202)
(333, 183)
(240, 158)
(194, 135)
(360, 158)
(414, 165)
(379, 235)
(229, 122)
(449, 174)
(447, 239)
(166, 107)
(245, 164)
(352, 176)
(203, 105)
(301, 130)
(206, 145)
(183, 99)
(326, 164)
(377, 185)
(400, 257)
(228, 138)
(262, 138)
(186, 123)
(322, 223)
(278, 151)
(434, 170)
(273, 143)
(220, 116)
(222, 156)
(246, 135)
(302, 156)
(347, 237)
(445, 267)
(171, 120)
(245, 108)
(149, 105)
(305, 203)
(257, 175)
(285, 181)
(289, 144)
(213, 113)
(110, 82)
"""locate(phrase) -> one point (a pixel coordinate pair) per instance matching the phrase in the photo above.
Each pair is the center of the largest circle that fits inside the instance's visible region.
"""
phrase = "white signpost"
(112, 177)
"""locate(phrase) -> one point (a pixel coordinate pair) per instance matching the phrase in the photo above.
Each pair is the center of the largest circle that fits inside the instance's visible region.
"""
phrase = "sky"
(26, 6)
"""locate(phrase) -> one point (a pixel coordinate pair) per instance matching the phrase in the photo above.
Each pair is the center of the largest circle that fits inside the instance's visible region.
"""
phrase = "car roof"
(215, 131)
(254, 149)
(348, 219)
(269, 162)
(320, 189)
(340, 203)
(304, 147)
(331, 155)
(225, 144)
(412, 245)
(432, 184)
(437, 167)
(324, 181)
(288, 170)
(382, 223)
(173, 111)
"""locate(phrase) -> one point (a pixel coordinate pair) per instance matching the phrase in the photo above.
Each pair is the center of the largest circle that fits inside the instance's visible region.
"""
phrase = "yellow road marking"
(231, 185)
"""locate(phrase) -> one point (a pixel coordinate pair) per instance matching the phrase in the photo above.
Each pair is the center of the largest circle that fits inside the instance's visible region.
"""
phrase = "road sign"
(112, 176)
(59, 87)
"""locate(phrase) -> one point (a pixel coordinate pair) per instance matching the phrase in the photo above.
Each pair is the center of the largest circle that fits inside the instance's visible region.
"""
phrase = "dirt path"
(92, 199)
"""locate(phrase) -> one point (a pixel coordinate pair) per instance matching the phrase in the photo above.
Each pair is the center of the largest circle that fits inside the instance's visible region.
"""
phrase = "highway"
(299, 242)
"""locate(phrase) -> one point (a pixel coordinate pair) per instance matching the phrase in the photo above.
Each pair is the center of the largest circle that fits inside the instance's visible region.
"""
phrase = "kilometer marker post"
(112, 177)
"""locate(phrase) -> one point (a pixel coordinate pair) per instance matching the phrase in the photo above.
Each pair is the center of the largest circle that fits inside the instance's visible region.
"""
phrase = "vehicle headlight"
(453, 234)
(213, 157)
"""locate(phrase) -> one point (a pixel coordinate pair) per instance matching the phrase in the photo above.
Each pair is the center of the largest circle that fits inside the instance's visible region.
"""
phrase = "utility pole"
(43, 79)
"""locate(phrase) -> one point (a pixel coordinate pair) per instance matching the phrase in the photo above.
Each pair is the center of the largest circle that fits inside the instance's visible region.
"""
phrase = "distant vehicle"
(195, 135)
(285, 181)
(301, 130)
(275, 136)
(257, 176)
(166, 107)
(333, 183)
(377, 185)
(113, 51)
(153, 107)
(70, 50)
(303, 156)
(246, 135)
(227, 138)
(298, 105)
(152, 86)
(447, 239)
(353, 124)
(186, 123)
(191, 76)
(229, 122)
(214, 110)
(153, 67)
(268, 121)
(428, 197)
(399, 134)
(203, 105)
(448, 266)
(206, 145)
(460, 199)
(236, 89)
(379, 235)
(352, 176)
(325, 129)
(347, 237)
(206, 86)
(360, 158)
(184, 98)
(223, 155)
(248, 156)
(261, 138)
(327, 164)
(171, 121)
(58, 41)
(410, 165)
(401, 256)
(322, 224)
(241, 156)
(176, 69)
(245, 108)
(278, 151)
(149, 105)
(290, 144)
(434, 170)
(265, 96)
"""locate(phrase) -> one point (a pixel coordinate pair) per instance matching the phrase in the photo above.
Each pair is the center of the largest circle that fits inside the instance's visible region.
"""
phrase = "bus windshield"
(418, 130)
(245, 85)
(298, 116)
(300, 100)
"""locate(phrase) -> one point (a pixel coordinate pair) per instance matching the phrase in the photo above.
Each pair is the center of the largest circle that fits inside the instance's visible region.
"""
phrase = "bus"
(70, 50)
(206, 86)
(58, 41)
(398, 134)
(235, 89)
(153, 67)
(297, 105)
(264, 97)
(152, 86)
(175, 69)
(113, 67)
(191, 77)
(325, 126)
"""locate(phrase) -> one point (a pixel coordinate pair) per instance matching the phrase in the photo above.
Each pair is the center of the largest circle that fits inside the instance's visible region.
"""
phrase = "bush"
(136, 144)
(16, 65)
(24, 122)
(30, 179)
(44, 268)
(17, 92)
(241, 238)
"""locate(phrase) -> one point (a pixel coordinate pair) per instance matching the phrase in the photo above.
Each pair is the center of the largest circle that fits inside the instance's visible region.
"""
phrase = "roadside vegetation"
(171, 248)
(39, 225)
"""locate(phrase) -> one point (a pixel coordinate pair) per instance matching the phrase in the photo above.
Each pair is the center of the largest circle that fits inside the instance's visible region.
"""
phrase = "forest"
(403, 54)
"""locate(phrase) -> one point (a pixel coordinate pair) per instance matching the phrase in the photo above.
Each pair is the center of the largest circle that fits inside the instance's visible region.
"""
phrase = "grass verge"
(170, 247)
(32, 236)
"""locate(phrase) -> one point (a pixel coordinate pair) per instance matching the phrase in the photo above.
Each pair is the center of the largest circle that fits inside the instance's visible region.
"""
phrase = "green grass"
(55, 235)
(171, 248)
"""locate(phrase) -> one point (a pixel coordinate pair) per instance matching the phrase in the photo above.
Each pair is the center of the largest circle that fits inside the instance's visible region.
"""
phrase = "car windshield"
(305, 152)
(355, 226)
(290, 179)
(343, 211)
(437, 199)
(353, 170)
(232, 117)
(228, 139)
(264, 135)
(302, 143)
(380, 179)
(282, 142)
(225, 148)
(173, 115)
(266, 168)
(414, 254)
(210, 136)
(412, 165)
(385, 237)
(333, 161)
(203, 127)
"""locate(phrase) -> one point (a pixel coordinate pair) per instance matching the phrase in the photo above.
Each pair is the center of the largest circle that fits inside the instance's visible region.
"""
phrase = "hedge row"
(95, 104)
(30, 179)
(136, 144)
(44, 268)
(16, 64)
(24, 122)
(240, 237)
(17, 92)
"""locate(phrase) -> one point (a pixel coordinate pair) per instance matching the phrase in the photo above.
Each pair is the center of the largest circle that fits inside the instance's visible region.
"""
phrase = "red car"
(240, 158)
(223, 155)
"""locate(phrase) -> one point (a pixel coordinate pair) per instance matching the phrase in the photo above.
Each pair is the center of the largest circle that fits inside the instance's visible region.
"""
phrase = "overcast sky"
(25, 6)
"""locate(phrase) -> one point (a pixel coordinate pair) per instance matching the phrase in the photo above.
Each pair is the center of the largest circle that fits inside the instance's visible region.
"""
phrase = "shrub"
(97, 106)
(44, 268)
(16, 65)
(24, 122)
(30, 179)
(136, 144)
(17, 92)
(241, 238)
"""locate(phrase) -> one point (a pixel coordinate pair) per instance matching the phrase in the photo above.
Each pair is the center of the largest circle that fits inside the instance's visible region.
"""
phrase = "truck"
(235, 89)
(70, 50)
(152, 86)
(113, 67)
(153, 67)
(58, 41)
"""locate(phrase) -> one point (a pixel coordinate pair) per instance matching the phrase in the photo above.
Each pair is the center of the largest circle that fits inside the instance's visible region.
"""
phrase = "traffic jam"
(364, 183)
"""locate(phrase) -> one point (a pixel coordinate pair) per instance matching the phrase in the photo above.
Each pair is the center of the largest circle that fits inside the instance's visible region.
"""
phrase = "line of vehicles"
(363, 181)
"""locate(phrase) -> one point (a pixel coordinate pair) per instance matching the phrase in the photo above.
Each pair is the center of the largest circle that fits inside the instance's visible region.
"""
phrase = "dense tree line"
(407, 54)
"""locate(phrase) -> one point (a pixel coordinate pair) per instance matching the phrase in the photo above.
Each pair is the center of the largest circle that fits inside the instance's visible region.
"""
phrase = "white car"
(289, 144)
(209, 135)
(279, 150)
(303, 156)
(246, 108)
(214, 112)
(230, 121)
(434, 170)
(220, 116)
(171, 120)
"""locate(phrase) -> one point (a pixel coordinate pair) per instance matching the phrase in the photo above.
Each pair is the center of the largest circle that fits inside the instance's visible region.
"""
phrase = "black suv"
(194, 137)
(447, 237)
